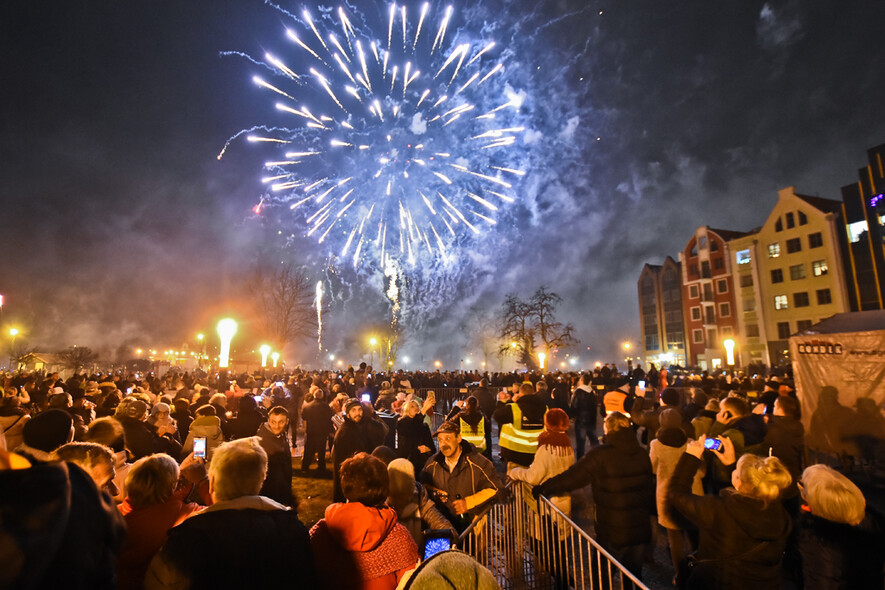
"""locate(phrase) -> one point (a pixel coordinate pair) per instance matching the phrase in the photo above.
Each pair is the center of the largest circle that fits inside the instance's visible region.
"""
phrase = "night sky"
(119, 227)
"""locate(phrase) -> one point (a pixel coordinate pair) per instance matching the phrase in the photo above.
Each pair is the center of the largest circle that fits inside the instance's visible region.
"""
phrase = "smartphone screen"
(712, 443)
(366, 397)
(433, 546)
(200, 447)
(258, 399)
(642, 385)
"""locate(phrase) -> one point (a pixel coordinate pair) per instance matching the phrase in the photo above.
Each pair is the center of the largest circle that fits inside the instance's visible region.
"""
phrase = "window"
(708, 292)
(815, 240)
(714, 246)
(797, 271)
(693, 292)
(749, 305)
(824, 297)
(778, 225)
(752, 330)
(718, 264)
(774, 250)
(777, 276)
(791, 221)
(696, 314)
(697, 336)
(711, 336)
(722, 286)
(803, 219)
(710, 314)
(726, 331)
(780, 302)
(693, 270)
(783, 330)
(857, 230)
(743, 256)
(651, 342)
(794, 245)
(724, 310)
(694, 248)
(819, 268)
(705, 269)
(801, 299)
(803, 325)
(746, 280)
(702, 242)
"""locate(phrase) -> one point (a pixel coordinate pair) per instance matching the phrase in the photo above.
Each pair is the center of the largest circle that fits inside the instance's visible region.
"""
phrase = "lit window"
(780, 302)
(774, 250)
(797, 271)
(743, 256)
(819, 268)
(856, 229)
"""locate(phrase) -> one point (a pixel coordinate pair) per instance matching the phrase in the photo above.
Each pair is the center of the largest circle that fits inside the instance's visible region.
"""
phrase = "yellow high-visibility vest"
(519, 439)
(478, 437)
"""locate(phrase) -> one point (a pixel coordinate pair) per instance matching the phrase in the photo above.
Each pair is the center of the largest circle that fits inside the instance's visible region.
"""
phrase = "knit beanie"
(48, 430)
(555, 435)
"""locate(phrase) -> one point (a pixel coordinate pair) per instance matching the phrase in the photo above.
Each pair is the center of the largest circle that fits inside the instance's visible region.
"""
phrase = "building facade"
(707, 296)
(661, 313)
(864, 213)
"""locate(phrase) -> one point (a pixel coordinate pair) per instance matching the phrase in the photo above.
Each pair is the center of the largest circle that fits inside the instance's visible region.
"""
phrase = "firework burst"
(392, 150)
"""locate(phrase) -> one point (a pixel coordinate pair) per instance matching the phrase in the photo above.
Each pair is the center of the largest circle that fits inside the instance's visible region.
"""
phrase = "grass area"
(312, 493)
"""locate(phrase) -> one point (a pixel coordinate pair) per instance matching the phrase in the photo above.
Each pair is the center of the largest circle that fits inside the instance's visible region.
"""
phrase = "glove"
(537, 491)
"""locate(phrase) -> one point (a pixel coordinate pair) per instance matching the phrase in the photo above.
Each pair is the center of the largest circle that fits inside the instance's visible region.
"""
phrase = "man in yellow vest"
(521, 422)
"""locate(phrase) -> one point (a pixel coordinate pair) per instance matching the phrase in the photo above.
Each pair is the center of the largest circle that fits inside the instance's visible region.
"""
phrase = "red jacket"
(358, 547)
(147, 528)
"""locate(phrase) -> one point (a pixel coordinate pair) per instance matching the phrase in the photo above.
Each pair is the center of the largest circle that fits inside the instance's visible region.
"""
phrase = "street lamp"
(202, 340)
(264, 349)
(226, 330)
(275, 357)
(728, 343)
(372, 342)
(12, 332)
(542, 358)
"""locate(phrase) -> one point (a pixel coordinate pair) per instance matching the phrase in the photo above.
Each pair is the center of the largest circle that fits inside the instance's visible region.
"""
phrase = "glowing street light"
(372, 342)
(728, 343)
(542, 358)
(275, 357)
(226, 330)
(264, 349)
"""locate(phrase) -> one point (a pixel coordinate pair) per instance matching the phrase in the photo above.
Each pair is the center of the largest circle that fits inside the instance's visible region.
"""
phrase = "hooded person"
(359, 544)
(207, 425)
(554, 456)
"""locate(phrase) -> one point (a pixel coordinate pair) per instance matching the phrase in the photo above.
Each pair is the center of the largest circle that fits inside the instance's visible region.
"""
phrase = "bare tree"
(485, 333)
(284, 300)
(75, 358)
(522, 322)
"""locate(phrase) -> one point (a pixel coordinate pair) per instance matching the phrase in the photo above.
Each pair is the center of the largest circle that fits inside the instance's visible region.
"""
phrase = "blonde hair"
(238, 469)
(832, 496)
(87, 455)
(763, 478)
(616, 421)
(220, 399)
(151, 480)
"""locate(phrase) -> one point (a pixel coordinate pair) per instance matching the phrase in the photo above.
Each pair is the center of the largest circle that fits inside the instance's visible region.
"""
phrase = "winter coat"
(447, 570)
(11, 427)
(318, 416)
(249, 542)
(205, 426)
(584, 404)
(142, 440)
(487, 400)
(350, 439)
(410, 434)
(472, 474)
(278, 483)
(548, 463)
(840, 556)
(247, 422)
(58, 530)
(418, 513)
(146, 533)
(785, 439)
(620, 474)
(665, 453)
(361, 548)
(731, 525)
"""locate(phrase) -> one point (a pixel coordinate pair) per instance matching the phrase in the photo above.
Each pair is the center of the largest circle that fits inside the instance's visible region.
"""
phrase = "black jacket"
(786, 440)
(410, 434)
(731, 525)
(142, 440)
(839, 556)
(318, 416)
(620, 474)
(278, 483)
(351, 438)
(487, 400)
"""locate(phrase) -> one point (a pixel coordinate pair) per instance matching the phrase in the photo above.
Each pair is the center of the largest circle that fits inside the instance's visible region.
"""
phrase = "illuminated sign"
(876, 200)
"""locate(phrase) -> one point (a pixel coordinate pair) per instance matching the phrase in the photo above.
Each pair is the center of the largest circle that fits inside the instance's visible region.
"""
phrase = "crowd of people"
(183, 480)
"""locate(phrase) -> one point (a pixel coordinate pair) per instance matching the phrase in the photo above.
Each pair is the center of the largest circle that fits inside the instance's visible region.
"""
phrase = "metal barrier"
(530, 544)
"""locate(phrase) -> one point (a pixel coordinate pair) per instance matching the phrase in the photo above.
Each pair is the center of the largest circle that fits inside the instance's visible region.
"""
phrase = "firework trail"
(319, 305)
(395, 150)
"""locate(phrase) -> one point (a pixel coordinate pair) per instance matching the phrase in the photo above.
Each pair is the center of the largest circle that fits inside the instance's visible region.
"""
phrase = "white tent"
(839, 370)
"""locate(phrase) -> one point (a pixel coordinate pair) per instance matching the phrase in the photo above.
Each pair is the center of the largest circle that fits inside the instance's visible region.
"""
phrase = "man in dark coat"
(273, 437)
(583, 406)
(785, 439)
(352, 437)
(212, 549)
(318, 419)
(486, 398)
(141, 439)
(647, 414)
(620, 474)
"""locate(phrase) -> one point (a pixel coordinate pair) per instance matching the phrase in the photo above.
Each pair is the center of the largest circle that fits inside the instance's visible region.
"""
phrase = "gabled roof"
(821, 204)
(727, 234)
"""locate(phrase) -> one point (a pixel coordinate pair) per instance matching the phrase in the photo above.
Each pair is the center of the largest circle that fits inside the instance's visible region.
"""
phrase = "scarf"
(559, 443)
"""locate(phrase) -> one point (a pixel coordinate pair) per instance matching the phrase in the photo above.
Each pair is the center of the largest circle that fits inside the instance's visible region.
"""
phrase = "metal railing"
(531, 544)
